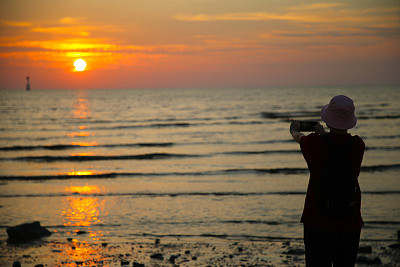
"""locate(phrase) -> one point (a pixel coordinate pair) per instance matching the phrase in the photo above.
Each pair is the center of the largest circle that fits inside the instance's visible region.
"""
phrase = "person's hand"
(295, 130)
(295, 126)
(319, 129)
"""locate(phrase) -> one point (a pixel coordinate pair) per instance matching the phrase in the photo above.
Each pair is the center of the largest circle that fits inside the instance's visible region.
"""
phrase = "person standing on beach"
(331, 239)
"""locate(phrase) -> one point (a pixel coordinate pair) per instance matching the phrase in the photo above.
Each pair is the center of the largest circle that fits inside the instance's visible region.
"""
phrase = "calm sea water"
(123, 164)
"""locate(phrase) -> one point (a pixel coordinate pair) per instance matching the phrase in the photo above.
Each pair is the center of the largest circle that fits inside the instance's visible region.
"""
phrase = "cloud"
(311, 13)
(62, 30)
(16, 23)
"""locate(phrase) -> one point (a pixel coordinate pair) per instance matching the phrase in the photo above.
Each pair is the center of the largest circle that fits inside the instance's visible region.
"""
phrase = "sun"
(80, 64)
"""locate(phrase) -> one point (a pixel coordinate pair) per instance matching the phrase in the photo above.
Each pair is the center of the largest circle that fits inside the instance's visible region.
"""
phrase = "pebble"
(365, 249)
(369, 261)
(395, 246)
(123, 263)
(80, 232)
(157, 256)
(173, 258)
(297, 251)
(16, 264)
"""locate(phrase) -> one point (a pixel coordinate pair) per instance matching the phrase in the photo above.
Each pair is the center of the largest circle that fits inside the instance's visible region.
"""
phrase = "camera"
(308, 126)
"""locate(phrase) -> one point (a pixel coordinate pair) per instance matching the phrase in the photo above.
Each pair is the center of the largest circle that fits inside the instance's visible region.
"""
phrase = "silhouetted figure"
(28, 86)
(331, 216)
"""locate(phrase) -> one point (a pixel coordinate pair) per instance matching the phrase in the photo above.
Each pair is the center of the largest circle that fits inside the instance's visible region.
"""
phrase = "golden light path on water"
(84, 210)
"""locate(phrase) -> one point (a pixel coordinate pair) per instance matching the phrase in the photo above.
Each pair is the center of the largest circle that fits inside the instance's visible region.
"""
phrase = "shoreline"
(208, 251)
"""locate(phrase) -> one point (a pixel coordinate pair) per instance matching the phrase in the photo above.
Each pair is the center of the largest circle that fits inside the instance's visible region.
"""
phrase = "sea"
(122, 165)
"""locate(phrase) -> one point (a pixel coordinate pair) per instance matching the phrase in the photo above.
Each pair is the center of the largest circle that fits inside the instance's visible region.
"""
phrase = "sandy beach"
(172, 251)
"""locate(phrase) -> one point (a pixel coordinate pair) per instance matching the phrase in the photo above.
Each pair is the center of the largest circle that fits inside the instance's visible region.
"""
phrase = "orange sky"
(201, 43)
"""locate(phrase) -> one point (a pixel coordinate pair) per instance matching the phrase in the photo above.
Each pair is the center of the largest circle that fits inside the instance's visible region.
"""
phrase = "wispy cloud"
(16, 23)
(311, 13)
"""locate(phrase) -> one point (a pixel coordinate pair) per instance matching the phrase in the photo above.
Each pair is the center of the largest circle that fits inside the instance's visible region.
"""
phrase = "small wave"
(140, 145)
(297, 151)
(154, 125)
(46, 147)
(252, 222)
(287, 171)
(385, 148)
(188, 194)
(150, 156)
(380, 168)
(73, 146)
(288, 115)
(383, 222)
(378, 117)
(155, 194)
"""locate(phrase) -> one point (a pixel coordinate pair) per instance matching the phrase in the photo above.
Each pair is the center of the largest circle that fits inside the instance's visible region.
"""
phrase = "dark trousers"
(326, 247)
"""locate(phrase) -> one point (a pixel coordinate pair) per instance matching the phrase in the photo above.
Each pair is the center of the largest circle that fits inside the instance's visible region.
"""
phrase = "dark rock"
(80, 232)
(157, 241)
(69, 239)
(395, 246)
(297, 251)
(187, 252)
(26, 232)
(173, 258)
(39, 265)
(16, 264)
(136, 264)
(398, 235)
(104, 244)
(124, 263)
(157, 256)
(194, 258)
(365, 249)
(369, 261)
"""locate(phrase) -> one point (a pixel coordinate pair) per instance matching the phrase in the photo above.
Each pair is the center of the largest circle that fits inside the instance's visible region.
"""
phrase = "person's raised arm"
(295, 130)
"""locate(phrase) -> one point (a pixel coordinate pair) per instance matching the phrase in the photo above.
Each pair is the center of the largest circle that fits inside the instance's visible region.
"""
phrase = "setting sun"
(80, 65)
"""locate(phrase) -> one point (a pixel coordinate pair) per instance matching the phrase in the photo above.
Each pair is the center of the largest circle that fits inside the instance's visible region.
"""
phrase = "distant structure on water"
(28, 86)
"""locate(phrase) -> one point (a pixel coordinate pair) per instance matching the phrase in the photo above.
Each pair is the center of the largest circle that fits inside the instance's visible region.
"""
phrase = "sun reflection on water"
(83, 212)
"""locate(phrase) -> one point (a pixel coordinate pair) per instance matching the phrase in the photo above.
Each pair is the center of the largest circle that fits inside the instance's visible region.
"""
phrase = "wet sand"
(154, 251)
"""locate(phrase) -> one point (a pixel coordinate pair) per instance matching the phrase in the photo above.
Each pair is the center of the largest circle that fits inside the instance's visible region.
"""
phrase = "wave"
(155, 194)
(297, 151)
(380, 168)
(190, 194)
(72, 146)
(45, 147)
(378, 117)
(288, 115)
(316, 114)
(155, 174)
(287, 171)
(170, 144)
(150, 156)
